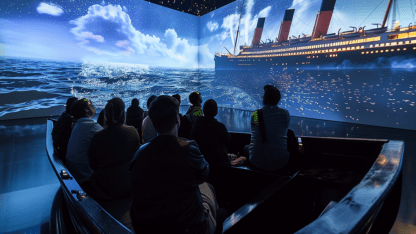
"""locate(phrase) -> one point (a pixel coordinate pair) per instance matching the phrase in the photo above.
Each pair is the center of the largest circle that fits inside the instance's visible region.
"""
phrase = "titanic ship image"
(357, 46)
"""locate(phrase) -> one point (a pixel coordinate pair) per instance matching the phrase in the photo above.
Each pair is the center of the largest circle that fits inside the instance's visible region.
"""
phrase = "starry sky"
(139, 32)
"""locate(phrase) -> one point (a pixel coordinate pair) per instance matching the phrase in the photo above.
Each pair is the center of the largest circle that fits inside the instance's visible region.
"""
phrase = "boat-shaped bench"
(344, 186)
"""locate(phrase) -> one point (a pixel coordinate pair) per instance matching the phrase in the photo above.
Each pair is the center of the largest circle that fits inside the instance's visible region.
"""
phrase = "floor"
(28, 184)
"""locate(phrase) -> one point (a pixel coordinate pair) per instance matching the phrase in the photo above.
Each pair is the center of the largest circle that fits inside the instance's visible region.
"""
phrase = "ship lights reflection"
(382, 160)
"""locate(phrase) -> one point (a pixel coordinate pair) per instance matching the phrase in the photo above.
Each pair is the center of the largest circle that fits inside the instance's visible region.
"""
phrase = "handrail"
(363, 202)
(100, 220)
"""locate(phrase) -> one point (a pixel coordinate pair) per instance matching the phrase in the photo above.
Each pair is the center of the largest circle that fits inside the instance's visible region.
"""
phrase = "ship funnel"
(285, 26)
(258, 31)
(323, 18)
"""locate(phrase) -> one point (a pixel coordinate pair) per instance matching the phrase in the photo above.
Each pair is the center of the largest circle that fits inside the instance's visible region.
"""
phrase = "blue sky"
(118, 31)
(135, 31)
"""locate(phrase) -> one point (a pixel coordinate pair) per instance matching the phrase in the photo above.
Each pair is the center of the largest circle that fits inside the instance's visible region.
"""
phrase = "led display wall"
(341, 66)
(330, 59)
(94, 49)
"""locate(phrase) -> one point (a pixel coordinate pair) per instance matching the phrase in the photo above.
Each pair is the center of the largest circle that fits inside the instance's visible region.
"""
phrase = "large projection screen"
(50, 51)
(353, 73)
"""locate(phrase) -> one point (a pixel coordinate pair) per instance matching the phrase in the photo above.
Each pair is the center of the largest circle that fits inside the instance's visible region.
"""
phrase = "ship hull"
(375, 49)
(370, 57)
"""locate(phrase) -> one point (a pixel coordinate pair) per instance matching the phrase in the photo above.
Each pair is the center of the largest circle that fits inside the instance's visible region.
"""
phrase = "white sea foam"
(106, 69)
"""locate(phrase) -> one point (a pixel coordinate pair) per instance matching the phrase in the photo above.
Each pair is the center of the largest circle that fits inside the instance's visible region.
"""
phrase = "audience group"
(163, 158)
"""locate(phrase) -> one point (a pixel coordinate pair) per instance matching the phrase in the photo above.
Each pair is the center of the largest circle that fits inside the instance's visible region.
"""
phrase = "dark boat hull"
(371, 193)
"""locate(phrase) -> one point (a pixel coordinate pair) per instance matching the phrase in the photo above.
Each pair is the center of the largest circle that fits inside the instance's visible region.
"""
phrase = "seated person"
(167, 176)
(194, 111)
(110, 153)
(268, 149)
(62, 130)
(148, 131)
(149, 100)
(211, 136)
(178, 97)
(100, 119)
(134, 115)
(85, 128)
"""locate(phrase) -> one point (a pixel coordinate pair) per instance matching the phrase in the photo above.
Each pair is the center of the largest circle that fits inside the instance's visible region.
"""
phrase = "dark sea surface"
(384, 97)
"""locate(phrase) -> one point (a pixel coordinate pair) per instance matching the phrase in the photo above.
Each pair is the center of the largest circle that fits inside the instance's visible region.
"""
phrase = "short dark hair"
(271, 95)
(210, 108)
(163, 112)
(195, 98)
(80, 109)
(69, 103)
(135, 102)
(114, 112)
(177, 97)
(150, 100)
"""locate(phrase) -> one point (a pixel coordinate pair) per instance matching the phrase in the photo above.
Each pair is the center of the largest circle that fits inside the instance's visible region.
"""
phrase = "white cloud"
(90, 35)
(50, 9)
(122, 39)
(247, 25)
(212, 26)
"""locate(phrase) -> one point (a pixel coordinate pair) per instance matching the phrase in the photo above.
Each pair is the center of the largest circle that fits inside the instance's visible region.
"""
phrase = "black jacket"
(110, 153)
(212, 138)
(61, 133)
(165, 174)
(134, 116)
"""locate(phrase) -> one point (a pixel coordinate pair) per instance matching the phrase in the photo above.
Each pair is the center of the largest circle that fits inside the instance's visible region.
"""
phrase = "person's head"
(114, 112)
(163, 112)
(210, 108)
(195, 98)
(150, 100)
(82, 108)
(177, 97)
(135, 102)
(271, 95)
(69, 103)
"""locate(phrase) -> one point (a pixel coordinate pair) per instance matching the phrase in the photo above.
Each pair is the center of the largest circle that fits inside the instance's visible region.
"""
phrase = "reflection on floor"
(28, 184)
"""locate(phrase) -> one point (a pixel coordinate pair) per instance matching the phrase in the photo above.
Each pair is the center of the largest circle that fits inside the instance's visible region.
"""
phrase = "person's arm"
(223, 134)
(198, 161)
(92, 153)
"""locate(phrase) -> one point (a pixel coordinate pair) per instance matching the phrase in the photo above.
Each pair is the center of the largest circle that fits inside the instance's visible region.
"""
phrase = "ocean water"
(383, 97)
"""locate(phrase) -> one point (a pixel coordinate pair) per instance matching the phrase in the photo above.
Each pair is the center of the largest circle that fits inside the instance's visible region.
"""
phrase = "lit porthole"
(376, 51)
(404, 48)
(367, 52)
(362, 52)
(392, 50)
(398, 49)
(381, 51)
(372, 52)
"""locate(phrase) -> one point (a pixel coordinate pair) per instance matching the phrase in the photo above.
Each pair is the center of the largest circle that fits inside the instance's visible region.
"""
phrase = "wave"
(94, 69)
(18, 74)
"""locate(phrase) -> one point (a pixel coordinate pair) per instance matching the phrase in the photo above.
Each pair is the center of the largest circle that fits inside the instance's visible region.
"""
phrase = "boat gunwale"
(100, 221)
(383, 169)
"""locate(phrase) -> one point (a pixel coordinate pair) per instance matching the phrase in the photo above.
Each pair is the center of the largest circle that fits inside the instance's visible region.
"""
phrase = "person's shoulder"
(189, 144)
(129, 129)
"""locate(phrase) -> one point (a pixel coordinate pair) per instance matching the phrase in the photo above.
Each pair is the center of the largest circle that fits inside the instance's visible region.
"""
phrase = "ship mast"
(238, 28)
(387, 14)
